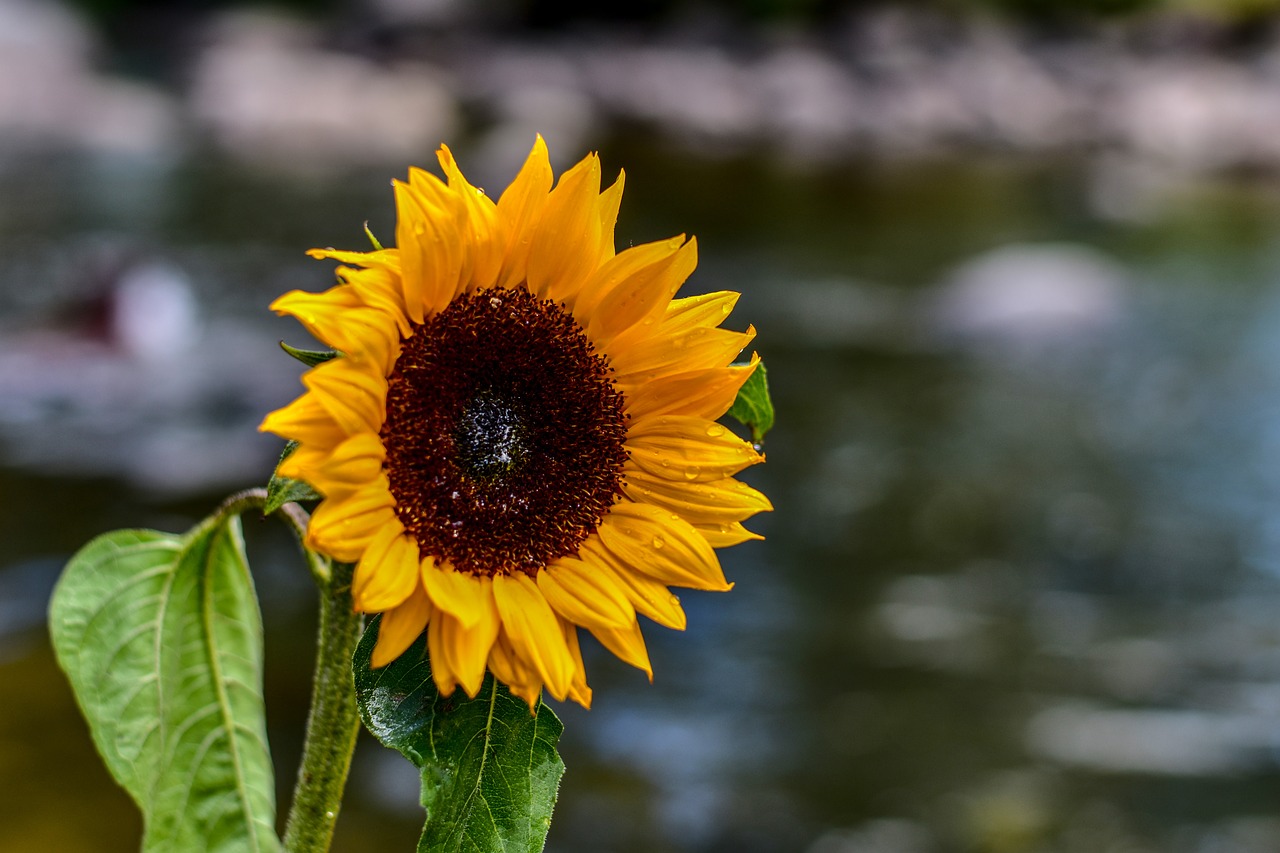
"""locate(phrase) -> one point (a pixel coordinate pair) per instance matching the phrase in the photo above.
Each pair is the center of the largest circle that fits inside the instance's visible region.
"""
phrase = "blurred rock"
(266, 92)
(1029, 295)
(50, 94)
(877, 836)
(136, 383)
(1159, 741)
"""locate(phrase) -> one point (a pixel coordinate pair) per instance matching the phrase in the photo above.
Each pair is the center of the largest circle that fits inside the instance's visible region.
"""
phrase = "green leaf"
(490, 770)
(310, 357)
(754, 408)
(283, 490)
(161, 638)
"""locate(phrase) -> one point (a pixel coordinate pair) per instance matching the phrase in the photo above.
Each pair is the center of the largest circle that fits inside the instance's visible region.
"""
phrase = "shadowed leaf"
(490, 770)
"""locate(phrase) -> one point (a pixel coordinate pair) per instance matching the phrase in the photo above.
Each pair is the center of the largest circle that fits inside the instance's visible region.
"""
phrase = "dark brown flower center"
(505, 435)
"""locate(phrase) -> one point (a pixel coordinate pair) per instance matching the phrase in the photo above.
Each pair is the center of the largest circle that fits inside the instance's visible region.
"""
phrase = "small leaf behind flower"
(490, 770)
(753, 407)
(161, 638)
(309, 357)
(282, 490)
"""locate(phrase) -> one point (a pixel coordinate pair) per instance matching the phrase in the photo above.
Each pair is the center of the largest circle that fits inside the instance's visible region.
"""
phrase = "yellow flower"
(519, 437)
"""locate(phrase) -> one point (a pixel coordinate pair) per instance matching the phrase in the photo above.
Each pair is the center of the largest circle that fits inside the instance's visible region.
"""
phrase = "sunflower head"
(519, 439)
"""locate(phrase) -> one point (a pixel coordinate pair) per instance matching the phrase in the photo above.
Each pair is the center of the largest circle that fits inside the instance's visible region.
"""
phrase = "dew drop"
(715, 430)
(659, 542)
(692, 472)
(725, 309)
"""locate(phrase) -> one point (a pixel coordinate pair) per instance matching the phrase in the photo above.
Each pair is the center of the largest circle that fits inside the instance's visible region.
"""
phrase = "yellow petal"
(584, 596)
(642, 297)
(387, 572)
(610, 201)
(689, 449)
(664, 354)
(427, 233)
(715, 502)
(628, 645)
(648, 596)
(412, 240)
(385, 258)
(481, 218)
(353, 464)
(381, 289)
(519, 210)
(342, 527)
(459, 594)
(579, 691)
(706, 309)
(305, 460)
(707, 393)
(458, 653)
(399, 627)
(534, 630)
(507, 667)
(566, 242)
(321, 314)
(642, 263)
(304, 420)
(725, 535)
(658, 543)
(352, 393)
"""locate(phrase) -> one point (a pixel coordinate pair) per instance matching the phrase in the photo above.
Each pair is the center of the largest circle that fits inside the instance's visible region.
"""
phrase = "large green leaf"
(490, 770)
(161, 638)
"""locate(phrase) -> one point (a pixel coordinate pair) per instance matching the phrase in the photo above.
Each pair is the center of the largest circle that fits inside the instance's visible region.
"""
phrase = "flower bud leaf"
(282, 490)
(753, 407)
(309, 357)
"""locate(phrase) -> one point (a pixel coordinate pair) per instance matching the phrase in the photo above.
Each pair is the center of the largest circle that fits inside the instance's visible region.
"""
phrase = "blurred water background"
(1017, 278)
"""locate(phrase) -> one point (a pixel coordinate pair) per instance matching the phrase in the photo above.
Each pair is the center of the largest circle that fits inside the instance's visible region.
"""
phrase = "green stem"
(333, 724)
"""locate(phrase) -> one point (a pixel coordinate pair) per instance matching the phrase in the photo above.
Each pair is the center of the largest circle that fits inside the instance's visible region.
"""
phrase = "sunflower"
(519, 437)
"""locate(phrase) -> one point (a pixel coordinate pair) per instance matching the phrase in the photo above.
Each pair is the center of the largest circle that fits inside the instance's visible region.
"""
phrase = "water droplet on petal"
(715, 430)
(659, 542)
(692, 472)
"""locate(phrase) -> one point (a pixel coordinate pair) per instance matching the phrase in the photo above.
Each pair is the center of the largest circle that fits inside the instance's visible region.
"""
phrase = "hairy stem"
(333, 724)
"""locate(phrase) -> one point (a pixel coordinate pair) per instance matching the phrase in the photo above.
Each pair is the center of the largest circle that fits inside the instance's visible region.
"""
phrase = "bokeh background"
(1016, 271)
